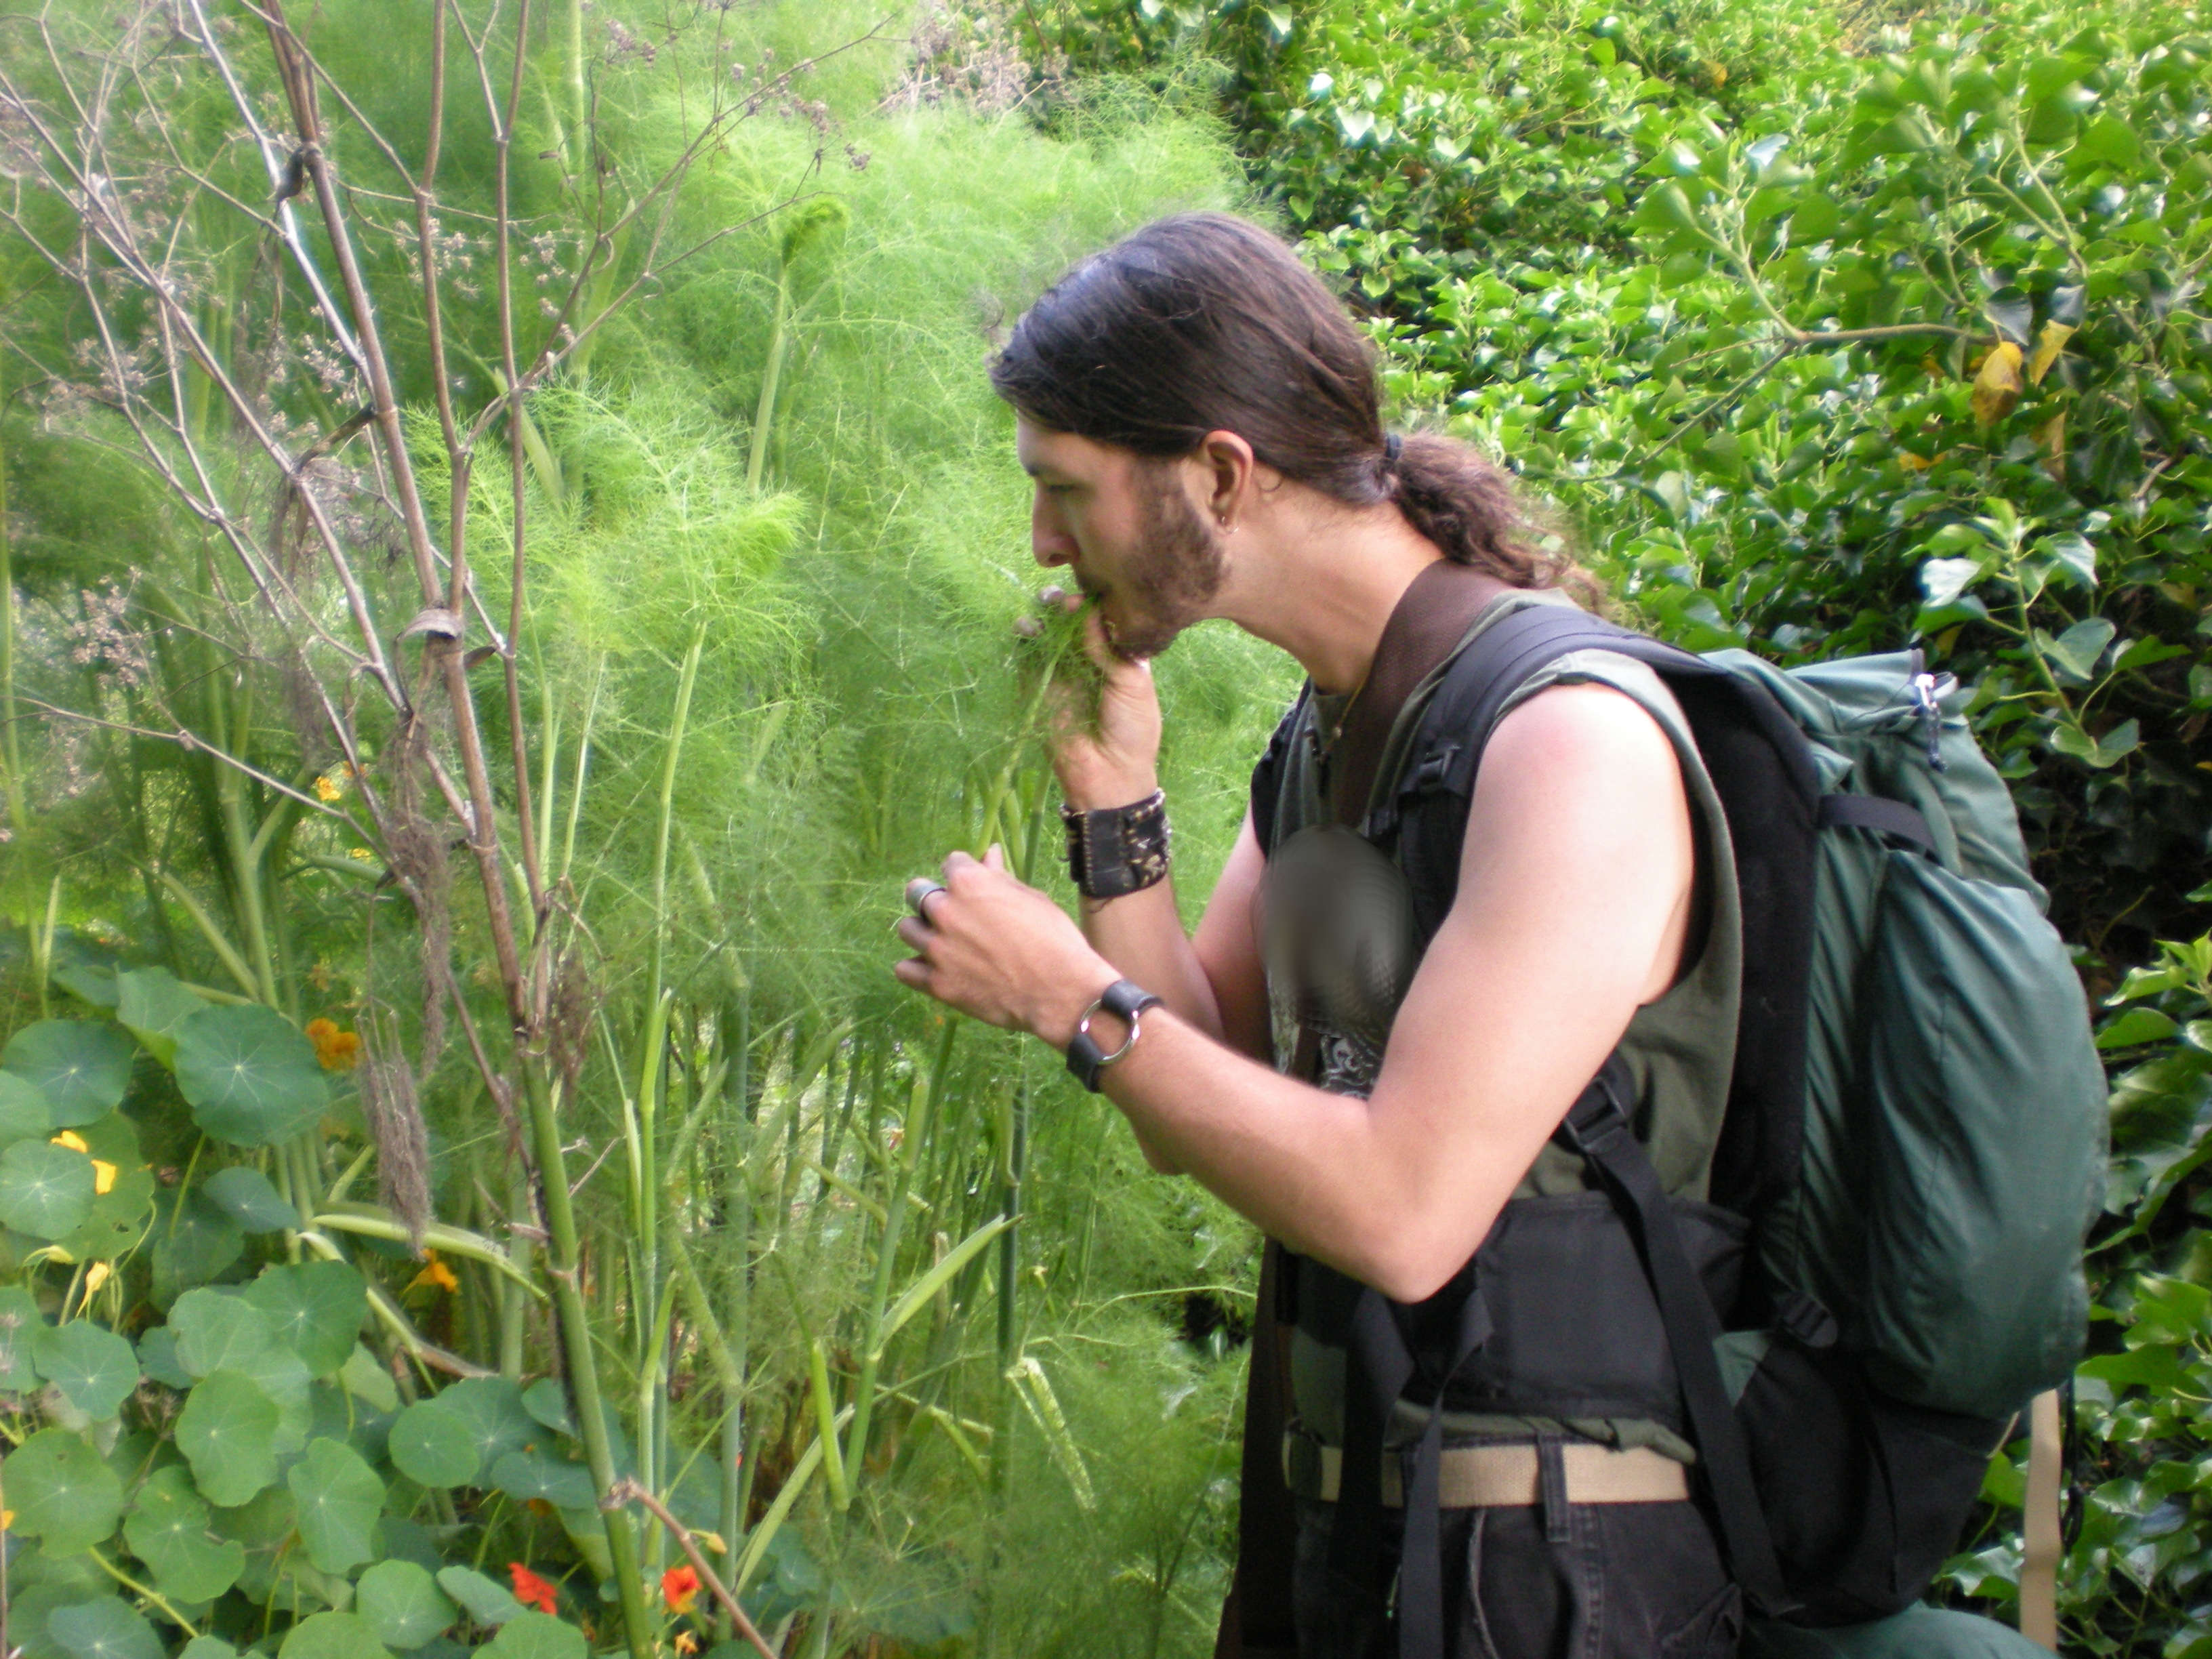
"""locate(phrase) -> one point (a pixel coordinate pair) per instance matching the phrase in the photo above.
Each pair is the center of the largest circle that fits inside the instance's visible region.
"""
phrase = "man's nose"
(1048, 539)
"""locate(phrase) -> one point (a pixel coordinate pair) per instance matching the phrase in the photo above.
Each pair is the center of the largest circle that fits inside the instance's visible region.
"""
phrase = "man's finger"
(994, 857)
(912, 971)
(956, 859)
(914, 934)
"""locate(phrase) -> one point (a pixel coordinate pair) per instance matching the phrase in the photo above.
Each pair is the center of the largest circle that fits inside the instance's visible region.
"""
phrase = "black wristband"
(1125, 1001)
(1117, 850)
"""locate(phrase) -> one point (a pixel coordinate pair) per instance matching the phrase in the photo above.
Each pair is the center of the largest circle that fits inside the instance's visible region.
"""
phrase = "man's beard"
(1175, 570)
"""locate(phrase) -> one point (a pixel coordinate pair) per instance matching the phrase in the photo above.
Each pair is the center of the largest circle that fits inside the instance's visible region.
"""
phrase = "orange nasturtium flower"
(531, 1590)
(339, 1051)
(686, 1643)
(679, 1588)
(438, 1276)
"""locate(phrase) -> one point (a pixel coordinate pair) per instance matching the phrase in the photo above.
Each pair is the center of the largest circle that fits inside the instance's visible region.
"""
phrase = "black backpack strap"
(1597, 1126)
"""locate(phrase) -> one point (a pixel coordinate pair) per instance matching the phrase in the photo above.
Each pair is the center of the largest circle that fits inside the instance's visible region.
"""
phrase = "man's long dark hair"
(1204, 323)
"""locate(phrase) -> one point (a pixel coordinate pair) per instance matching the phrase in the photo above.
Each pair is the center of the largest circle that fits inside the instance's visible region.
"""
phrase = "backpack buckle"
(1435, 768)
(1801, 1315)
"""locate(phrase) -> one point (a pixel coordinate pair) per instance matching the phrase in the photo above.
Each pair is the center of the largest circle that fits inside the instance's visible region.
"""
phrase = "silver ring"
(919, 892)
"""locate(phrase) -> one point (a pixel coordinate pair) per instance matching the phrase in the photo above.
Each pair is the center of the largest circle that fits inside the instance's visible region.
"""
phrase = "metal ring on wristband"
(1082, 1029)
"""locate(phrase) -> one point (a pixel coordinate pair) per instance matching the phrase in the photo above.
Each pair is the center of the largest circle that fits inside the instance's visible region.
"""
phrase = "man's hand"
(1113, 759)
(1001, 951)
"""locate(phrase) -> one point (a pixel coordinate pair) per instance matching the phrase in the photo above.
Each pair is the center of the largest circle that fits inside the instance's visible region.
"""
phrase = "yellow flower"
(72, 1139)
(329, 788)
(96, 1275)
(103, 1174)
(362, 854)
(7, 1519)
(437, 1276)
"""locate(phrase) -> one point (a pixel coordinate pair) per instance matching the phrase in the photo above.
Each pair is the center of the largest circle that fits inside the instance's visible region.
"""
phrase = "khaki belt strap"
(1500, 1477)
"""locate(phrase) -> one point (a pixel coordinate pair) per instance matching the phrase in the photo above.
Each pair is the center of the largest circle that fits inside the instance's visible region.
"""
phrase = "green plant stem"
(737, 1221)
(152, 1595)
(11, 752)
(564, 1265)
(771, 375)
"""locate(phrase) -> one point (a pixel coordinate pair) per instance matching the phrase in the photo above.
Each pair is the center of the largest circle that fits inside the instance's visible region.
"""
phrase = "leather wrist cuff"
(1117, 850)
(1125, 1001)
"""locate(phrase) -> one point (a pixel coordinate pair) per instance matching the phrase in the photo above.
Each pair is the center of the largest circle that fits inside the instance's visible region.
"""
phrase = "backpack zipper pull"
(1926, 688)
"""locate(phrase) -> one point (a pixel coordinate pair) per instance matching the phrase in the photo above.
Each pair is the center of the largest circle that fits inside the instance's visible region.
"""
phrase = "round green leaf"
(63, 1491)
(432, 1446)
(151, 1003)
(315, 1309)
(492, 1408)
(217, 1330)
(249, 1075)
(106, 1629)
(487, 1602)
(94, 1370)
(45, 1190)
(157, 1358)
(227, 1432)
(332, 1636)
(336, 1497)
(81, 1066)
(207, 1647)
(402, 1604)
(193, 1241)
(20, 1325)
(537, 1636)
(245, 1195)
(23, 1114)
(528, 1475)
(168, 1530)
(546, 1403)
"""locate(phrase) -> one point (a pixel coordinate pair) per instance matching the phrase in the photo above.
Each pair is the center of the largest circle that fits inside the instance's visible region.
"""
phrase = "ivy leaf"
(402, 1605)
(23, 1114)
(487, 1602)
(2108, 142)
(433, 1446)
(81, 1066)
(62, 1493)
(315, 1310)
(249, 1075)
(2076, 554)
(168, 1530)
(536, 1636)
(245, 1195)
(1997, 385)
(2136, 1027)
(106, 1629)
(45, 1190)
(94, 1370)
(332, 1636)
(227, 1432)
(152, 1004)
(336, 1497)
(2049, 343)
(2010, 312)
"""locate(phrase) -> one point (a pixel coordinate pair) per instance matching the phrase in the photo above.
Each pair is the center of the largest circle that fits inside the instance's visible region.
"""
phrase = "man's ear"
(1229, 466)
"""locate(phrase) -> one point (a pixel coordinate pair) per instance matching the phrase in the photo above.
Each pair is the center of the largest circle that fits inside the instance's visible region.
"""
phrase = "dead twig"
(627, 1491)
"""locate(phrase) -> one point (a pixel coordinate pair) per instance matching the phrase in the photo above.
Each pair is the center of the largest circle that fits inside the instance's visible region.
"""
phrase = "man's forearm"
(1142, 935)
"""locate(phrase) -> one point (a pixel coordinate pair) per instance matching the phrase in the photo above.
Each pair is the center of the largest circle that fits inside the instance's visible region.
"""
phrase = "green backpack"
(1916, 1125)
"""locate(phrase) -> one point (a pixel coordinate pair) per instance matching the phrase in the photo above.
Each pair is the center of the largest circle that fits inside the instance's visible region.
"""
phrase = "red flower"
(531, 1590)
(679, 1588)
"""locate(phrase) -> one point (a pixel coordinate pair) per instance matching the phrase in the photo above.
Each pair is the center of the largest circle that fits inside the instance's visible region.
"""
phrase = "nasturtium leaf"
(20, 1325)
(492, 1408)
(157, 1358)
(545, 1401)
(218, 1328)
(45, 1190)
(207, 1647)
(245, 1195)
(106, 1629)
(151, 1003)
(119, 1214)
(485, 1600)
(402, 1604)
(81, 1066)
(278, 1373)
(23, 1114)
(94, 1370)
(332, 1636)
(315, 1308)
(168, 1529)
(433, 1446)
(366, 1380)
(539, 1473)
(336, 1497)
(227, 1432)
(537, 1636)
(62, 1493)
(193, 1241)
(249, 1075)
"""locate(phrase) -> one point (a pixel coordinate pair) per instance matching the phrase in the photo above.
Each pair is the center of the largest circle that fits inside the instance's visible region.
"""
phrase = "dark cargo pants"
(1628, 1580)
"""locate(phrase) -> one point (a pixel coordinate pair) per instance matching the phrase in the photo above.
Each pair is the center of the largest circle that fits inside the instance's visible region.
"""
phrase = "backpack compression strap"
(1597, 1126)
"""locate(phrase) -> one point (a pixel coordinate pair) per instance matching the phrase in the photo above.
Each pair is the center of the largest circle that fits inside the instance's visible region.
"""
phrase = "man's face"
(1127, 533)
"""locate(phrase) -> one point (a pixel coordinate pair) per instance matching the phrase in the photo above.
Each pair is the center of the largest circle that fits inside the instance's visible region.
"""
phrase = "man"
(1202, 423)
